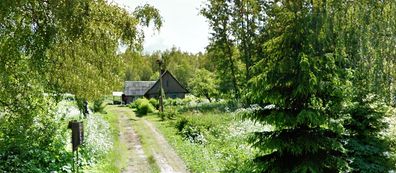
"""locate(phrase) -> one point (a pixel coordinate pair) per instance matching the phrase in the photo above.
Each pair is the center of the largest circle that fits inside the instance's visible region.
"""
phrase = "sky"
(183, 26)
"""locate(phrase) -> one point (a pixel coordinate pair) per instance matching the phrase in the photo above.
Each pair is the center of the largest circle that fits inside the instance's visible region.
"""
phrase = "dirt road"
(137, 161)
(154, 150)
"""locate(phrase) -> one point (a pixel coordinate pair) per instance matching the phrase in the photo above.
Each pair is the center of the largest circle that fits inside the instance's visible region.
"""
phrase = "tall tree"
(246, 24)
(300, 81)
(48, 48)
(367, 46)
(204, 84)
(222, 48)
(138, 67)
(238, 30)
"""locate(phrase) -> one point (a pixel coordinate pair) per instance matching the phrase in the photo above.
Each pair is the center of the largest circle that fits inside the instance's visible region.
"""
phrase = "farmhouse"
(150, 89)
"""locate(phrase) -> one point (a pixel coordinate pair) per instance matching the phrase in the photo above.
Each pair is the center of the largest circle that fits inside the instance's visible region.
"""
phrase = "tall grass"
(211, 141)
(115, 159)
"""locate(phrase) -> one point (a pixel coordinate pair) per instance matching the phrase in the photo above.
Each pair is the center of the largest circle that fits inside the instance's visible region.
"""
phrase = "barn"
(150, 89)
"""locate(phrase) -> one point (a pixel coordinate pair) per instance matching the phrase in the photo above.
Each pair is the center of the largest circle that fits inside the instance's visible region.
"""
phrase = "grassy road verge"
(116, 159)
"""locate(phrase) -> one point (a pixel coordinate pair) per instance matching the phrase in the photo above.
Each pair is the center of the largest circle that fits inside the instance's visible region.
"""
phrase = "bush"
(136, 103)
(190, 130)
(162, 116)
(181, 123)
(168, 114)
(154, 102)
(144, 107)
(98, 106)
(173, 102)
(171, 113)
(34, 141)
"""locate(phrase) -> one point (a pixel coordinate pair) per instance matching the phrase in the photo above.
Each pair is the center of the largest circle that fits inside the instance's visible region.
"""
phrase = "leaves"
(48, 48)
(204, 84)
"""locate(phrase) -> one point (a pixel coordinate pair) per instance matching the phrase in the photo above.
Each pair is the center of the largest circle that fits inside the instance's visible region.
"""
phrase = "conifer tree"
(301, 81)
(369, 150)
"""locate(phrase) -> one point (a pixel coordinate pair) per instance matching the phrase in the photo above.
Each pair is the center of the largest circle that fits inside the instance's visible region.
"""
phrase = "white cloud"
(183, 27)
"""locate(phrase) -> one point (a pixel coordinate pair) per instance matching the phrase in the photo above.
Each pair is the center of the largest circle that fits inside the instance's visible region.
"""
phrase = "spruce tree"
(301, 81)
(369, 149)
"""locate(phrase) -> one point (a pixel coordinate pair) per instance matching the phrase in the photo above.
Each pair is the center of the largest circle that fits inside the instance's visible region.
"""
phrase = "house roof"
(183, 90)
(137, 88)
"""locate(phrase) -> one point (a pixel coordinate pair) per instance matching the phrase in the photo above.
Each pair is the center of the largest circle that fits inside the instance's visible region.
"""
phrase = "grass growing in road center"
(146, 139)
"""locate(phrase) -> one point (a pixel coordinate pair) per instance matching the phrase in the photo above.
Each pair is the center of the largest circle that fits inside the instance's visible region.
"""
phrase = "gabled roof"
(155, 87)
(137, 88)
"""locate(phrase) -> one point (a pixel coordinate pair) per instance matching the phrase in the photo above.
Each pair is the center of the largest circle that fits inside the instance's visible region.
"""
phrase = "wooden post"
(161, 102)
(78, 164)
(77, 139)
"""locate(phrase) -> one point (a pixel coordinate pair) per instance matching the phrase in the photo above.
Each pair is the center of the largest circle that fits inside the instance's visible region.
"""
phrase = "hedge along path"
(137, 160)
(163, 154)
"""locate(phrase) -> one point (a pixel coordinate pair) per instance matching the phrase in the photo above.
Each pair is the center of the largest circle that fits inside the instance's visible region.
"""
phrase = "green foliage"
(368, 148)
(313, 66)
(367, 49)
(194, 128)
(147, 14)
(137, 67)
(202, 106)
(136, 103)
(169, 113)
(154, 102)
(173, 102)
(236, 43)
(98, 106)
(181, 64)
(224, 148)
(97, 140)
(33, 137)
(204, 84)
(143, 106)
(81, 104)
(50, 48)
(300, 80)
(105, 131)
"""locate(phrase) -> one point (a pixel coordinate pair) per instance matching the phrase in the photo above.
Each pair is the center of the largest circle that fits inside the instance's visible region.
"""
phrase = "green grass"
(115, 159)
(196, 157)
(148, 143)
(224, 150)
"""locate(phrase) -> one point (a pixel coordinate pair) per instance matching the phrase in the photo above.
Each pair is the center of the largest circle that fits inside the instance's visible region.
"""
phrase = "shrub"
(34, 141)
(144, 107)
(162, 115)
(98, 106)
(190, 130)
(168, 114)
(136, 103)
(154, 102)
(180, 123)
(171, 113)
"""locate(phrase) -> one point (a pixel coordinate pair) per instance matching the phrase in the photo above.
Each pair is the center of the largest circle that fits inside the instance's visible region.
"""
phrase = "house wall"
(167, 95)
(171, 87)
(130, 99)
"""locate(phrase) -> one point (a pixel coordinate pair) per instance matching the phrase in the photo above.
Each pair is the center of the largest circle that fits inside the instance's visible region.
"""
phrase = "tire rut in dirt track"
(166, 158)
(137, 161)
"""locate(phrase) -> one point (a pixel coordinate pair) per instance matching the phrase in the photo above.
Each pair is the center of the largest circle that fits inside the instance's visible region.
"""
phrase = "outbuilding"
(150, 89)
